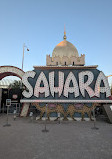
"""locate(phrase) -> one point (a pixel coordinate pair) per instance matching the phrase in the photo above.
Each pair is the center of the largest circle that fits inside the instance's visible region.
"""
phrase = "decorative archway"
(10, 71)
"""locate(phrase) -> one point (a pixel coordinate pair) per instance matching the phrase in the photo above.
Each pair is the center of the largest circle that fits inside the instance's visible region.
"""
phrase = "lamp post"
(24, 46)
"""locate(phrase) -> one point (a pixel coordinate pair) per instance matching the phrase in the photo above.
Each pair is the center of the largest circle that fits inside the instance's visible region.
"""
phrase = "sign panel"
(8, 102)
(65, 85)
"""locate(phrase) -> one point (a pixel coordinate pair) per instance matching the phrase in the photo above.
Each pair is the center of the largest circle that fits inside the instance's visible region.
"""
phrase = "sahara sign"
(76, 84)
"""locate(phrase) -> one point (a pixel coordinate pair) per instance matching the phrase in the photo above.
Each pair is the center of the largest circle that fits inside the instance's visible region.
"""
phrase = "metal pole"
(94, 127)
(7, 114)
(7, 124)
(23, 56)
(45, 128)
(3, 109)
(19, 108)
(59, 115)
(45, 116)
(16, 107)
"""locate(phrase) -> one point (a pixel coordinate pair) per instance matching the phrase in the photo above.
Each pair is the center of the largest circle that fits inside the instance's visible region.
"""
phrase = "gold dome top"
(65, 54)
(65, 48)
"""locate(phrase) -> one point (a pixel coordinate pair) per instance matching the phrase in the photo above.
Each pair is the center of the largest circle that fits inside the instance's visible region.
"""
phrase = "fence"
(14, 107)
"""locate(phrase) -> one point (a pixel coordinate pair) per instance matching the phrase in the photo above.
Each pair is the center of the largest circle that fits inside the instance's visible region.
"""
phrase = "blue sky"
(40, 25)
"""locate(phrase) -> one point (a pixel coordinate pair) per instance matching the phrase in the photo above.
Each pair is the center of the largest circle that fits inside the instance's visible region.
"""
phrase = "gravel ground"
(24, 139)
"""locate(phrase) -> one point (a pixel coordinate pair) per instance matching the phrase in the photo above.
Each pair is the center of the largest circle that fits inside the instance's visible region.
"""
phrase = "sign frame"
(8, 102)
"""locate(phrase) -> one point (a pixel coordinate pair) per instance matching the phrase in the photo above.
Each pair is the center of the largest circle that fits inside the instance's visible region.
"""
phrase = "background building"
(65, 54)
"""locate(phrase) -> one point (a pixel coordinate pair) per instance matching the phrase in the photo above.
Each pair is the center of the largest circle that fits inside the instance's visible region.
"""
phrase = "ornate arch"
(10, 71)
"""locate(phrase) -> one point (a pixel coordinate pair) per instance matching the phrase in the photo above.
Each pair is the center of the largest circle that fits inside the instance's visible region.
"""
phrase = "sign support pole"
(45, 128)
(7, 123)
(8, 103)
(94, 127)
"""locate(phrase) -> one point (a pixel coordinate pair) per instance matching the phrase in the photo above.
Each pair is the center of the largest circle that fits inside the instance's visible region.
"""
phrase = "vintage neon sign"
(79, 85)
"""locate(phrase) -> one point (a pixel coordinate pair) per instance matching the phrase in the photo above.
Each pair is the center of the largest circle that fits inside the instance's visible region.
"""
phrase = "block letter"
(38, 89)
(74, 89)
(99, 89)
(85, 86)
(28, 93)
(58, 89)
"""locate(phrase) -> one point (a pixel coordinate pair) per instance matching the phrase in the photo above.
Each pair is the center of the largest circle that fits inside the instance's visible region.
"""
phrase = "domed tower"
(65, 53)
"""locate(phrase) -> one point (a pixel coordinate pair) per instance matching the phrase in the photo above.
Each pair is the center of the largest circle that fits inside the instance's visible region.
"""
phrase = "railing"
(14, 107)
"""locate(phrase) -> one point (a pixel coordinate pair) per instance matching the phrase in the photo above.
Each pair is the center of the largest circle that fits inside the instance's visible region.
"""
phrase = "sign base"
(95, 128)
(45, 130)
(6, 125)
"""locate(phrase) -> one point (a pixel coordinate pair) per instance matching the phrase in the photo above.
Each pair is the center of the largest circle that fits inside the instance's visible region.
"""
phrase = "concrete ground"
(68, 140)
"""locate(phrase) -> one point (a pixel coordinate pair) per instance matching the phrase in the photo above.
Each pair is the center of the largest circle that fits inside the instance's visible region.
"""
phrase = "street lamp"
(24, 46)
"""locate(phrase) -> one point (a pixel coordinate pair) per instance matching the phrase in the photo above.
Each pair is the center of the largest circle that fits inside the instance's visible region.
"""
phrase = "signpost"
(45, 129)
(94, 127)
(8, 104)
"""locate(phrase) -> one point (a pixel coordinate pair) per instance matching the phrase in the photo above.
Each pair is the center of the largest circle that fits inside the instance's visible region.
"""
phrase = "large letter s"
(28, 93)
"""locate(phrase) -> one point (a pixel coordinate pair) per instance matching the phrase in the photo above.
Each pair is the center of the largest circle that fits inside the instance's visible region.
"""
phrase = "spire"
(64, 37)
